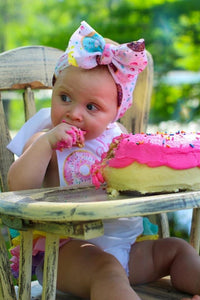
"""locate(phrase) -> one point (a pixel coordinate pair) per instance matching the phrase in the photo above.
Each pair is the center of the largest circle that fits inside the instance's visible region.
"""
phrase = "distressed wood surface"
(136, 118)
(6, 157)
(7, 291)
(160, 290)
(87, 203)
(81, 230)
(29, 103)
(163, 224)
(50, 267)
(25, 265)
(195, 229)
(34, 66)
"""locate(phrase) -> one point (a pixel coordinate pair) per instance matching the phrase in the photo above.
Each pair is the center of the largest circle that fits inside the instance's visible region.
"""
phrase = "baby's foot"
(195, 297)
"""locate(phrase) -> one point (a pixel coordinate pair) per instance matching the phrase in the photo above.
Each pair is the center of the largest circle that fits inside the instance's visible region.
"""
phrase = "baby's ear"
(53, 79)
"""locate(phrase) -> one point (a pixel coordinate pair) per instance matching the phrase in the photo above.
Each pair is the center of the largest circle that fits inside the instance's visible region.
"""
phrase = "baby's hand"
(77, 136)
(65, 136)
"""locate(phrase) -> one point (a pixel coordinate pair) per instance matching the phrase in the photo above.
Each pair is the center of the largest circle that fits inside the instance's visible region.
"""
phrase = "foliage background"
(171, 29)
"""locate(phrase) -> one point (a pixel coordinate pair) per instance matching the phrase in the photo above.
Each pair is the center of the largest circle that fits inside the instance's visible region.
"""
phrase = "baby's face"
(86, 99)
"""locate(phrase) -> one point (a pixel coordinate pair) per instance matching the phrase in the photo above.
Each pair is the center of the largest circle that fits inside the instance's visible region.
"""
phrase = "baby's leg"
(86, 271)
(150, 260)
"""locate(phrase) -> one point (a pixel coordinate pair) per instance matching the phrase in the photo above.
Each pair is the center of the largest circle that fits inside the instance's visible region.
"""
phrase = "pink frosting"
(77, 139)
(180, 150)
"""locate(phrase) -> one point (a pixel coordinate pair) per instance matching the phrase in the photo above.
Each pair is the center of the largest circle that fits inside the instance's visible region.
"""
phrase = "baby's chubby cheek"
(90, 135)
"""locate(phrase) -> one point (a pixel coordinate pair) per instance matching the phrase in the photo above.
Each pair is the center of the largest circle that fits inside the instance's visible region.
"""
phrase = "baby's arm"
(29, 170)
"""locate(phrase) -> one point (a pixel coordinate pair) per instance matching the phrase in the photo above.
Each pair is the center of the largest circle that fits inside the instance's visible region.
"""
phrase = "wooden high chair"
(77, 211)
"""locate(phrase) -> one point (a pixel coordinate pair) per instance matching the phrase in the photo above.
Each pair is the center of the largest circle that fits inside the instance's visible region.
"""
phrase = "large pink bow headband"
(88, 49)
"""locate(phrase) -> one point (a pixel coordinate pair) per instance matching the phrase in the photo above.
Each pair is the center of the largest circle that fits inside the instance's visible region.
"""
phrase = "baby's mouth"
(73, 125)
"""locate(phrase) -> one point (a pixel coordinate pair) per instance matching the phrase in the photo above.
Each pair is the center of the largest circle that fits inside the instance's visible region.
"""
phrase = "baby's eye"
(65, 98)
(92, 107)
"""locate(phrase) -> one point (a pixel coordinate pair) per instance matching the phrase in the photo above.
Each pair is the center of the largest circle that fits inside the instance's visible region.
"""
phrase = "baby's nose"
(76, 113)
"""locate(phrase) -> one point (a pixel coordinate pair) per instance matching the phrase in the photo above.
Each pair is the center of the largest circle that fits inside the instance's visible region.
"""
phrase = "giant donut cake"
(150, 163)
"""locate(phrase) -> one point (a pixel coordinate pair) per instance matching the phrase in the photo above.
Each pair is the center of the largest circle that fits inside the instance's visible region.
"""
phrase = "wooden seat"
(77, 211)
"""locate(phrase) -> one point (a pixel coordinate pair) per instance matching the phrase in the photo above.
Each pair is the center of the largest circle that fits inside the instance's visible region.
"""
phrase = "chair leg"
(1, 290)
(195, 229)
(50, 267)
(164, 225)
(25, 267)
(7, 290)
(162, 221)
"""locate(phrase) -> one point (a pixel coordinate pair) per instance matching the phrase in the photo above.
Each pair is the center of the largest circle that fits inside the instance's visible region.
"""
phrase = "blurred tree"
(177, 102)
(11, 16)
(171, 30)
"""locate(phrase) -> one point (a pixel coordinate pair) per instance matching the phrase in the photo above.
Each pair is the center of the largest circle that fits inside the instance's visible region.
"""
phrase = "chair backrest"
(136, 118)
(25, 68)
(31, 68)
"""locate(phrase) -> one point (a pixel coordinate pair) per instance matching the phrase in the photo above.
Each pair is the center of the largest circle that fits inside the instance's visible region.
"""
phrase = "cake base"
(143, 179)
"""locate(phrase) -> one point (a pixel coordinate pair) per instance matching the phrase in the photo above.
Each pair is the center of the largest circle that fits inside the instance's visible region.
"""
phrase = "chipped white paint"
(50, 267)
(25, 265)
(7, 291)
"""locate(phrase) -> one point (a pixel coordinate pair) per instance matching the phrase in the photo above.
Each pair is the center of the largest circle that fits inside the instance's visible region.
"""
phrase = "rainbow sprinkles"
(158, 155)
